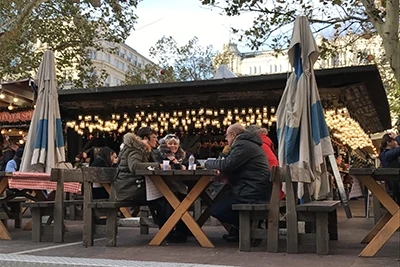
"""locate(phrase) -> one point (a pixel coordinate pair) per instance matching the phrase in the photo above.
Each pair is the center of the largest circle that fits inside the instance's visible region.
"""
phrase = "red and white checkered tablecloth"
(39, 181)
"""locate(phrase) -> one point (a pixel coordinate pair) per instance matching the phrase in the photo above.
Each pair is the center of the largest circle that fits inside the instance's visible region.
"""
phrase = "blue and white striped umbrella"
(44, 147)
(302, 131)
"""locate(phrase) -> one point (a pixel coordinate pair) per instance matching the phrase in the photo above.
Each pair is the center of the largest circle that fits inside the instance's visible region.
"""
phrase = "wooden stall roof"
(359, 88)
(21, 89)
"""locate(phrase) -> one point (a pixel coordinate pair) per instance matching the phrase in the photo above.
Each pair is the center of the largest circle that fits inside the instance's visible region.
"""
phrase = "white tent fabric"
(44, 147)
(223, 72)
(302, 131)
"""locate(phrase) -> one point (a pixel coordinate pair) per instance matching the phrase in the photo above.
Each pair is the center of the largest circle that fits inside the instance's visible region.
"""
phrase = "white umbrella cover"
(44, 147)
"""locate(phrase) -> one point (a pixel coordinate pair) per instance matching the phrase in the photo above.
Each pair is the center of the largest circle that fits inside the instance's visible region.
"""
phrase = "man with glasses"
(247, 169)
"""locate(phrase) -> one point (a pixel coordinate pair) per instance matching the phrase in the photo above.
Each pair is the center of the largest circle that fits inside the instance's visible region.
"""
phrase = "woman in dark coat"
(390, 158)
(106, 158)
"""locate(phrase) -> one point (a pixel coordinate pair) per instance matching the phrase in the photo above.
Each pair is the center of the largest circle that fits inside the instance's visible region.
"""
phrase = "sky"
(183, 19)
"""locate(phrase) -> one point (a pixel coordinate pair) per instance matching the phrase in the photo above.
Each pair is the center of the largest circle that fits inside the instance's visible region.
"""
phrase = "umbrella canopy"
(223, 72)
(302, 131)
(44, 147)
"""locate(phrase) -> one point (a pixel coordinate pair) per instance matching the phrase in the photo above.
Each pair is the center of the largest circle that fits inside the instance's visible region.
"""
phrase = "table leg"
(181, 211)
(377, 227)
(4, 234)
(380, 194)
(382, 237)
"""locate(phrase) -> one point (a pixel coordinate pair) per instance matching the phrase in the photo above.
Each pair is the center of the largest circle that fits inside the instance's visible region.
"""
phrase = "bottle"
(191, 162)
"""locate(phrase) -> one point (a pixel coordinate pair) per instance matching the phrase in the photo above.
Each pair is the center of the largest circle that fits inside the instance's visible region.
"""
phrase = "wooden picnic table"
(390, 222)
(202, 179)
(26, 182)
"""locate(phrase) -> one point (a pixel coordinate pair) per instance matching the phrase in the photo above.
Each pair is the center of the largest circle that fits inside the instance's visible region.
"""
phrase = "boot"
(233, 235)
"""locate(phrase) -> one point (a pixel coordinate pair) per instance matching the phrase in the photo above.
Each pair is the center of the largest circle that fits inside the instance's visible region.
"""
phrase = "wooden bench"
(324, 215)
(12, 209)
(251, 216)
(45, 231)
(110, 207)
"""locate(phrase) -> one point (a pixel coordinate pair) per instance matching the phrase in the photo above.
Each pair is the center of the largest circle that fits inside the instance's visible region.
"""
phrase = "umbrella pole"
(340, 186)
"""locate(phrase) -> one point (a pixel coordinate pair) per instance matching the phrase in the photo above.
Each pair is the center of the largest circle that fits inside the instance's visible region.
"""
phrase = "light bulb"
(2, 95)
(10, 107)
(15, 99)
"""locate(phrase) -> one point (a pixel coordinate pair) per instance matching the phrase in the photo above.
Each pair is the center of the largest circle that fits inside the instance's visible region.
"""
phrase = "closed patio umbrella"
(44, 147)
(302, 131)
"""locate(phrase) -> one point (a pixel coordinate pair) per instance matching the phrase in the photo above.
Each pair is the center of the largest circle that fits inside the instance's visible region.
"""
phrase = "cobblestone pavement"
(12, 260)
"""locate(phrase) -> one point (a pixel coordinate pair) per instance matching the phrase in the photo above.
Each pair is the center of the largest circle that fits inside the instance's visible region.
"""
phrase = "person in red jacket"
(267, 146)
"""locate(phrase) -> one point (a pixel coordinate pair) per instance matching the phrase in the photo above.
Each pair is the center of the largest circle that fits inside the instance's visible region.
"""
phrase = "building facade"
(114, 60)
(361, 52)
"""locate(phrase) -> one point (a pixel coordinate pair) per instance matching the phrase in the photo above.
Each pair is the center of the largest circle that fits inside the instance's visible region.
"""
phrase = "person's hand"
(226, 149)
(162, 167)
(115, 160)
(183, 167)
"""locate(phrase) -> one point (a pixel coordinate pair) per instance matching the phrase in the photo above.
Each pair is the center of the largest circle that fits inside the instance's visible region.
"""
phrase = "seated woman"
(106, 158)
(169, 150)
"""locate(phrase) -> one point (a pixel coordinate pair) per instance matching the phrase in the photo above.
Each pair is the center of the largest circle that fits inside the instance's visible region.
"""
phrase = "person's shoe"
(176, 237)
(233, 235)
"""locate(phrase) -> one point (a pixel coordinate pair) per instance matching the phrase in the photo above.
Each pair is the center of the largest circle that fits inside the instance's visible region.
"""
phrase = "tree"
(363, 17)
(71, 28)
(189, 62)
(151, 73)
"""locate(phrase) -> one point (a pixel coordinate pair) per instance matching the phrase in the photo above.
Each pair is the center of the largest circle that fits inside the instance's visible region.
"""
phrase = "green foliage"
(71, 28)
(189, 62)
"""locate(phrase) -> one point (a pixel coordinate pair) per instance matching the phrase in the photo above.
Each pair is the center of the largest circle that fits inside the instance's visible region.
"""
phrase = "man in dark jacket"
(247, 169)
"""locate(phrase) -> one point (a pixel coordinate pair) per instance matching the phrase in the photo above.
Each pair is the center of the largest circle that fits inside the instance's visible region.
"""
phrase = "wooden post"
(58, 235)
(111, 228)
(292, 236)
(322, 233)
(87, 215)
(245, 230)
(36, 224)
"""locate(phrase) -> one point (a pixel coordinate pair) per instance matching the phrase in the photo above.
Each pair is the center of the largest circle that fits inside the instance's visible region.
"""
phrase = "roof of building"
(359, 88)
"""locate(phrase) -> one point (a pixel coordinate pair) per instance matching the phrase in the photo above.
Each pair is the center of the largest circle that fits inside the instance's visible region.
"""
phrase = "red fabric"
(268, 147)
(38, 181)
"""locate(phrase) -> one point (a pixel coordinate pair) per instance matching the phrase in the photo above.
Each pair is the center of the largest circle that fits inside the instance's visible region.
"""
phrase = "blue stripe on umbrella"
(59, 134)
(41, 135)
(298, 68)
(318, 123)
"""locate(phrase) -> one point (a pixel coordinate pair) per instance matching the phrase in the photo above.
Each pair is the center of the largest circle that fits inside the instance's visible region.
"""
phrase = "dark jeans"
(222, 210)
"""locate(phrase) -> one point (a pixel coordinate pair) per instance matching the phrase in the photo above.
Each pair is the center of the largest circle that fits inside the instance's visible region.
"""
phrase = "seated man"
(247, 169)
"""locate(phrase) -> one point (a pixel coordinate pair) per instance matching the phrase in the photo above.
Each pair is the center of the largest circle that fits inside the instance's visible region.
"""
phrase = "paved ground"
(132, 250)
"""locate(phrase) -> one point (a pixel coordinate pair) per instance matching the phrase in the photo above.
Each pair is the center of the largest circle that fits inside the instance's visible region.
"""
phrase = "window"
(276, 68)
(116, 81)
(92, 55)
(129, 56)
(135, 60)
(123, 53)
(116, 62)
(117, 50)
(107, 58)
(107, 82)
(255, 69)
(121, 65)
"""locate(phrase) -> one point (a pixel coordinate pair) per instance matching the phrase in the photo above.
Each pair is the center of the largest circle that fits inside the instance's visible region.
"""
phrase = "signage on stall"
(16, 116)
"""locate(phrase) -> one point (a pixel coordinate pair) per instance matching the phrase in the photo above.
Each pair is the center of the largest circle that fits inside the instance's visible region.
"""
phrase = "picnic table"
(26, 182)
(390, 222)
(201, 179)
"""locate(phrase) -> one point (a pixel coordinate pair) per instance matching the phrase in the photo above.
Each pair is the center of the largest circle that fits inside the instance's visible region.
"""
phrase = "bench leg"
(36, 224)
(111, 228)
(322, 233)
(18, 216)
(144, 228)
(244, 230)
(332, 225)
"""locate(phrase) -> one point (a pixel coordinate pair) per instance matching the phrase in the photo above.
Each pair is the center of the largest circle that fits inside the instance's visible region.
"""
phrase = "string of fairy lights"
(177, 120)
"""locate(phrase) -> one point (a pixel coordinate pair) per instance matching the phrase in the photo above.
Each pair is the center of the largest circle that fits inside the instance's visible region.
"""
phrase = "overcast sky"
(182, 20)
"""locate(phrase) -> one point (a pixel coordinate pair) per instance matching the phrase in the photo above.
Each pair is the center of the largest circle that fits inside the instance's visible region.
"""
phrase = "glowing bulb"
(21, 141)
(10, 107)
(2, 96)
(15, 99)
